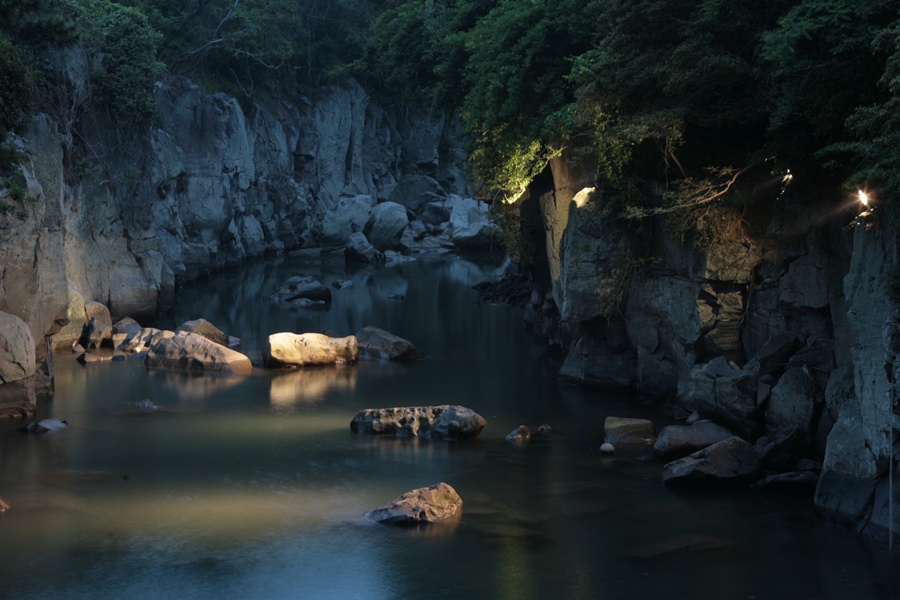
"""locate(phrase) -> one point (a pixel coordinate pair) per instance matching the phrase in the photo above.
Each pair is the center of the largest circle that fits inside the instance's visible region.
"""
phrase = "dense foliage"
(706, 96)
(700, 94)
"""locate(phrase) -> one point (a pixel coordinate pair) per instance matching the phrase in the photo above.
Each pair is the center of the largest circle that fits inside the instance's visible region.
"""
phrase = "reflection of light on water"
(187, 386)
(310, 385)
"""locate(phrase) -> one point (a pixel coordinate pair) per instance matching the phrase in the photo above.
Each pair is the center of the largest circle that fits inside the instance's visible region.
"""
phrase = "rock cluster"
(429, 422)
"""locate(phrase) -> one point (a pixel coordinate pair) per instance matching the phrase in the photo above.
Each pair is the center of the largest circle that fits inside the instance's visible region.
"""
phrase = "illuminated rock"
(141, 340)
(429, 422)
(434, 504)
(378, 343)
(192, 352)
(298, 350)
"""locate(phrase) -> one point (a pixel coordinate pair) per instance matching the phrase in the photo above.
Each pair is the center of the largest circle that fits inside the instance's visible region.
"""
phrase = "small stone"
(607, 448)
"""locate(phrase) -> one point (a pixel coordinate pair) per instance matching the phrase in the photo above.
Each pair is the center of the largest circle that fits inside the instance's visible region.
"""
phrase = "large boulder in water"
(430, 422)
(378, 343)
(302, 349)
(729, 462)
(433, 504)
(17, 355)
(193, 352)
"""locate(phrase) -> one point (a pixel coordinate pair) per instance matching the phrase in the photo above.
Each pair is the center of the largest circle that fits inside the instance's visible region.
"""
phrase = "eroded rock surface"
(430, 422)
(434, 504)
(303, 349)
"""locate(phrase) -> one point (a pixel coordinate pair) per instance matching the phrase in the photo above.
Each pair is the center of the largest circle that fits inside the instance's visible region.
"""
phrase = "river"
(255, 487)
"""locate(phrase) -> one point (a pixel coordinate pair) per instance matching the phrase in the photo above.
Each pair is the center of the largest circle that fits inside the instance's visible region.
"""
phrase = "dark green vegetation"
(710, 98)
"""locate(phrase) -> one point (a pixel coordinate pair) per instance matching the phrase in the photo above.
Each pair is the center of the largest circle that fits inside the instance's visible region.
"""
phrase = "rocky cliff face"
(785, 333)
(115, 218)
(119, 220)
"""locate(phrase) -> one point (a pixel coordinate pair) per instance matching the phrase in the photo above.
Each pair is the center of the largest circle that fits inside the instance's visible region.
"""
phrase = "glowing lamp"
(863, 197)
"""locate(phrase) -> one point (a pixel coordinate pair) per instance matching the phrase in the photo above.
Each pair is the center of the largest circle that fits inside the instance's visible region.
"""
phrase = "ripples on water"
(254, 487)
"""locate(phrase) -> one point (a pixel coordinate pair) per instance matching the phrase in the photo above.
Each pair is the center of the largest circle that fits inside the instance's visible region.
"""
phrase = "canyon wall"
(784, 334)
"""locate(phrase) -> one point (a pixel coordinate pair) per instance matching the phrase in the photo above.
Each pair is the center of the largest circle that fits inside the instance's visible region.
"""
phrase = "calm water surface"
(254, 487)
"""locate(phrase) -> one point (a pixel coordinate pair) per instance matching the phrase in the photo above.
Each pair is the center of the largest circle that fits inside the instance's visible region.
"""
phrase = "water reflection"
(310, 385)
(255, 486)
(192, 387)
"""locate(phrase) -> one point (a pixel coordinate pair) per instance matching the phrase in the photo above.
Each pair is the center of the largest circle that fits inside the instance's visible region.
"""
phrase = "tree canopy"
(689, 92)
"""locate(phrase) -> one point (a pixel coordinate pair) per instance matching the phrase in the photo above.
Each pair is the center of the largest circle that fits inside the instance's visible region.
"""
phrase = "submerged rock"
(45, 426)
(378, 343)
(193, 352)
(795, 481)
(433, 504)
(430, 422)
(298, 350)
(623, 430)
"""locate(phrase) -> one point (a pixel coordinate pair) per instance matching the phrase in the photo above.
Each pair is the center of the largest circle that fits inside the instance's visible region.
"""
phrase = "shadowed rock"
(378, 343)
(209, 331)
(17, 356)
(433, 504)
(301, 349)
(677, 441)
(729, 462)
(430, 422)
(301, 290)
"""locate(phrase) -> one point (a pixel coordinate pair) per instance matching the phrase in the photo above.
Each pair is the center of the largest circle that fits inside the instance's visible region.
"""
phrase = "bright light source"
(863, 197)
